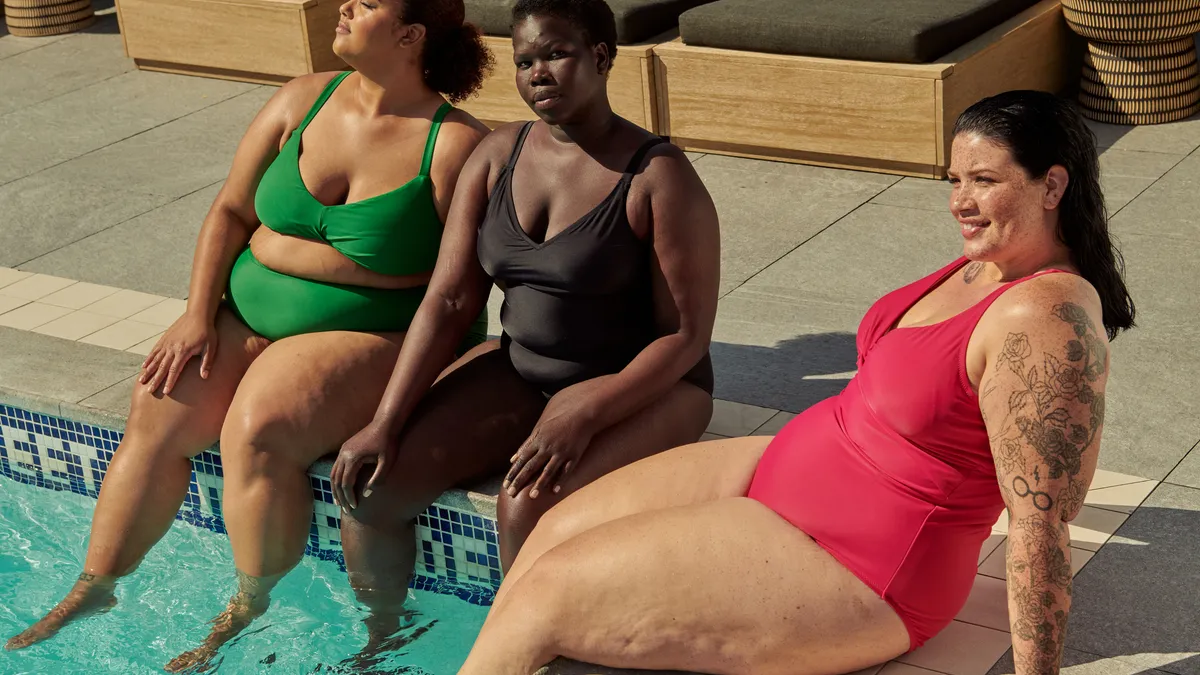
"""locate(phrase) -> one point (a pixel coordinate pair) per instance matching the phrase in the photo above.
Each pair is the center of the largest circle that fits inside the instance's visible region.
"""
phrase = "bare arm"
(228, 226)
(232, 219)
(686, 280)
(1042, 397)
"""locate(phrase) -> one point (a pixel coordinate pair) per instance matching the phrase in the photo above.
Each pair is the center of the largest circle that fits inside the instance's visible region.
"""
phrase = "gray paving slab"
(151, 253)
(1188, 471)
(1151, 418)
(1136, 599)
(917, 193)
(1075, 662)
(870, 252)
(63, 66)
(11, 45)
(1161, 274)
(1177, 137)
(115, 399)
(42, 135)
(174, 159)
(60, 369)
(42, 213)
(782, 353)
(1168, 208)
(768, 208)
(1125, 174)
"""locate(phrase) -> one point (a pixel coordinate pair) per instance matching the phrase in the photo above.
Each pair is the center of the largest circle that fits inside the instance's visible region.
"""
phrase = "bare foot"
(387, 634)
(90, 595)
(244, 607)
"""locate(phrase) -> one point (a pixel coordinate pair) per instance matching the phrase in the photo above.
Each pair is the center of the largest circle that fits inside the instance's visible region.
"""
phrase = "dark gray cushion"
(637, 20)
(895, 31)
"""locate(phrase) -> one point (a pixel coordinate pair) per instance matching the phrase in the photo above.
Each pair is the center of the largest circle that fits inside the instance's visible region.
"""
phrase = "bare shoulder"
(667, 168)
(461, 132)
(295, 98)
(497, 145)
(1053, 312)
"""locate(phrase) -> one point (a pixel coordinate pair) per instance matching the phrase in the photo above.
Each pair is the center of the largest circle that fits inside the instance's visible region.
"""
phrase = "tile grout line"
(140, 133)
(1152, 184)
(811, 237)
(63, 94)
(117, 224)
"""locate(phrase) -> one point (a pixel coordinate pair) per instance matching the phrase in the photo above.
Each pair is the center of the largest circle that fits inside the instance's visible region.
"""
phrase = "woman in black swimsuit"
(606, 246)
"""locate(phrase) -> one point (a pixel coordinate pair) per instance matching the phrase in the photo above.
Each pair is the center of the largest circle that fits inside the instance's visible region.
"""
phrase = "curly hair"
(455, 59)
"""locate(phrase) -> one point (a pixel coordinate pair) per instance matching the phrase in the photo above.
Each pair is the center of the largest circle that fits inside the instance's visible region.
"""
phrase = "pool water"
(313, 625)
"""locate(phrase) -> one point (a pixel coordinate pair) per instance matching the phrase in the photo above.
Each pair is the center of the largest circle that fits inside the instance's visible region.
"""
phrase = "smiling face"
(558, 74)
(1004, 213)
(372, 28)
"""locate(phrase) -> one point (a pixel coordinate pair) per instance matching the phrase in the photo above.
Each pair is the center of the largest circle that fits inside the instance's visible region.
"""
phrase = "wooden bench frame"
(278, 39)
(631, 86)
(889, 117)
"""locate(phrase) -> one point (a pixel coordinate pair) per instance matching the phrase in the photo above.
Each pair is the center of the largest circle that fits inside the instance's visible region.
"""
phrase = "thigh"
(466, 427)
(189, 418)
(306, 394)
(676, 419)
(689, 475)
(773, 602)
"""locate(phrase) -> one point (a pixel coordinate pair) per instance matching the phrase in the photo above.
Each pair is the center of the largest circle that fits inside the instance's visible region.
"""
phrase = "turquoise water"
(313, 625)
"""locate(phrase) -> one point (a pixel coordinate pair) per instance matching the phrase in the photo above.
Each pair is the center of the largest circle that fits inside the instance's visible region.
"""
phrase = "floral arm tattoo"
(1044, 414)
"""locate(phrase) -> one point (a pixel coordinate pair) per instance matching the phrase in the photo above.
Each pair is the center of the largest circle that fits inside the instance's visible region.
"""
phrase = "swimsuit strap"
(427, 161)
(516, 151)
(320, 102)
(636, 161)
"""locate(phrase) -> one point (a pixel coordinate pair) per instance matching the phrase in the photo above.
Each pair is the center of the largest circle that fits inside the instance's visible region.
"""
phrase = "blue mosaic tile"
(67, 456)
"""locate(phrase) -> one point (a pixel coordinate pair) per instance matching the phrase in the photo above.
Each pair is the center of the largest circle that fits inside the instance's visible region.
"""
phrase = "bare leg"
(299, 401)
(148, 478)
(676, 419)
(466, 427)
(775, 603)
(690, 475)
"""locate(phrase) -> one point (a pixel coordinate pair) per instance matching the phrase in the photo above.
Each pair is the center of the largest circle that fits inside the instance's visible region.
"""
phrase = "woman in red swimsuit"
(852, 537)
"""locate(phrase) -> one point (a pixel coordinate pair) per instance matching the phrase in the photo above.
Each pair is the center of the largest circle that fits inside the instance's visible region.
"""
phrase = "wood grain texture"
(630, 87)
(263, 38)
(1028, 52)
(793, 104)
(320, 21)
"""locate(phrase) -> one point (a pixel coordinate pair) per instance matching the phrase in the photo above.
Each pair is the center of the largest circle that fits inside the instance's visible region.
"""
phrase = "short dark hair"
(1042, 130)
(455, 59)
(593, 18)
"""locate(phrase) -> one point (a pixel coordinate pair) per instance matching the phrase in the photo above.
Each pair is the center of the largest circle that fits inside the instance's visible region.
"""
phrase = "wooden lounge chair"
(877, 85)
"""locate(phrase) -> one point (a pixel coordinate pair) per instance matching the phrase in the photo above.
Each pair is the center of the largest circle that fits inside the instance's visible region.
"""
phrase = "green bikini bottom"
(277, 305)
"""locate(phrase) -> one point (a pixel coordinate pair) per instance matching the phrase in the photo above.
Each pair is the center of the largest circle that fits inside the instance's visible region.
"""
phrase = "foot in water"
(387, 634)
(91, 595)
(249, 603)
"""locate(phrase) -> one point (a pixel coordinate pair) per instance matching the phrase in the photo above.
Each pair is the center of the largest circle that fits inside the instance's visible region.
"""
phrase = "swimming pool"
(313, 625)
(51, 468)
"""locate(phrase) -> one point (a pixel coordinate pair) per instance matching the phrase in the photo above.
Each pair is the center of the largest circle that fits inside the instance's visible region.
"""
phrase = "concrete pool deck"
(108, 171)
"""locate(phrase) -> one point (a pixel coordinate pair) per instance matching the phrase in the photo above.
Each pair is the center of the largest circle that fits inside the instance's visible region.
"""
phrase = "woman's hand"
(551, 451)
(373, 444)
(189, 336)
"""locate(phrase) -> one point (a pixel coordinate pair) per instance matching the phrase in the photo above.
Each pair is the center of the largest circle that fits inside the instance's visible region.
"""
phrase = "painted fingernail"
(366, 493)
(533, 494)
(504, 484)
(557, 489)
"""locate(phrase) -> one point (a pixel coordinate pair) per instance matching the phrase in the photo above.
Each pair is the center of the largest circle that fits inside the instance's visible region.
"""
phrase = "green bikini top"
(396, 233)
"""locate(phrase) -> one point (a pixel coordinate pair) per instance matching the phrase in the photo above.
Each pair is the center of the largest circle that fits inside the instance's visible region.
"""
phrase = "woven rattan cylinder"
(1140, 66)
(40, 18)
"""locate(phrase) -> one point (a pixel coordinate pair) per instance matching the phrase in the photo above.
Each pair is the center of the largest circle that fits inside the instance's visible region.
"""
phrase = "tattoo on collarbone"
(971, 273)
(1038, 414)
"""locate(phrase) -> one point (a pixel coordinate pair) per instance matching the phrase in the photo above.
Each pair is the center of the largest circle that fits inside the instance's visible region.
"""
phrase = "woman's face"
(1004, 213)
(558, 74)
(369, 27)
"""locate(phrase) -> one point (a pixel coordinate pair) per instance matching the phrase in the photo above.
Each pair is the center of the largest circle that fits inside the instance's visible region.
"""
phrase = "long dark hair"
(1042, 130)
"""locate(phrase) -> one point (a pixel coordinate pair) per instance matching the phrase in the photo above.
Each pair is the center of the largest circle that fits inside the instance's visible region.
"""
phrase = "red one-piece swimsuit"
(895, 476)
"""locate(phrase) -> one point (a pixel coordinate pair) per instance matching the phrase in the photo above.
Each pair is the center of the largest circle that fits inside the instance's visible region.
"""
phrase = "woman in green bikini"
(297, 353)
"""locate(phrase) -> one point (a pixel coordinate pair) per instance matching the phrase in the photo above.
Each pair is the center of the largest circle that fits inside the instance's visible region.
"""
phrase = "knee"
(255, 437)
(517, 517)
